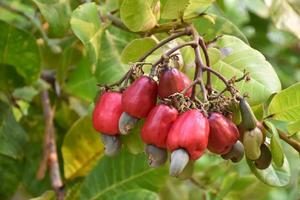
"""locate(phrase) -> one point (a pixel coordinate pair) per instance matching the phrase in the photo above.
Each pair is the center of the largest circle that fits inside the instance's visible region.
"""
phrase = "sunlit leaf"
(137, 48)
(173, 9)
(86, 25)
(81, 149)
(125, 172)
(286, 104)
(137, 15)
(238, 57)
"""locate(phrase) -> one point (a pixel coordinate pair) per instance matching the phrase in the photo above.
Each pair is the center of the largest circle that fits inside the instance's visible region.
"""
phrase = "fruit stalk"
(204, 49)
(199, 67)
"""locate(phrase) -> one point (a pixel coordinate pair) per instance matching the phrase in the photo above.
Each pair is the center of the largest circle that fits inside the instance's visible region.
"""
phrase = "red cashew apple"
(107, 112)
(106, 116)
(171, 80)
(140, 97)
(157, 125)
(187, 139)
(223, 134)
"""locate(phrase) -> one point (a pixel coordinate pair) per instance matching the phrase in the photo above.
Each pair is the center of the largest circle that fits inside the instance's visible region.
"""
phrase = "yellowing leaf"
(81, 149)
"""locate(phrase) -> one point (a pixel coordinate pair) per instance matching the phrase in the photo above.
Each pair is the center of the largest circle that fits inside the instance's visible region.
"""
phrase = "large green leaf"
(136, 49)
(237, 57)
(57, 13)
(196, 7)
(10, 176)
(137, 15)
(139, 194)
(86, 25)
(81, 148)
(285, 15)
(19, 49)
(215, 26)
(173, 9)
(109, 67)
(273, 176)
(113, 176)
(12, 136)
(81, 82)
(285, 105)
(102, 47)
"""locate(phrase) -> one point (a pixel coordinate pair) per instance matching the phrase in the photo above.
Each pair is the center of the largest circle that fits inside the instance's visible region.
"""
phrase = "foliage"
(80, 44)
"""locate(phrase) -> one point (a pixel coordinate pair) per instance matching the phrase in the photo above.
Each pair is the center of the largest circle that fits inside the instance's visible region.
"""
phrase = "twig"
(197, 183)
(165, 41)
(50, 153)
(117, 22)
(292, 142)
(169, 52)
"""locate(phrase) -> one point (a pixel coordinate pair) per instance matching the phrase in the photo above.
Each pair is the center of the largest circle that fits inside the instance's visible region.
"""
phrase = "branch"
(171, 51)
(165, 41)
(292, 142)
(49, 152)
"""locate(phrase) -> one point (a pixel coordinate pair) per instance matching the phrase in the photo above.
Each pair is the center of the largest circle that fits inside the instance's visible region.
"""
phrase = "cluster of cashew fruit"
(182, 128)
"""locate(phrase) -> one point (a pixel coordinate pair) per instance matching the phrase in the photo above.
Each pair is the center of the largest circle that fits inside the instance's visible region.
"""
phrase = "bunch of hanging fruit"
(177, 118)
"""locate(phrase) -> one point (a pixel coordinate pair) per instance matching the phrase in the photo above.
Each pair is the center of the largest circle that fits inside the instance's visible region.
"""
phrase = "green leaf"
(285, 105)
(136, 49)
(109, 67)
(173, 9)
(19, 49)
(103, 47)
(86, 26)
(272, 176)
(9, 78)
(81, 82)
(48, 195)
(12, 136)
(113, 176)
(10, 176)
(227, 184)
(27, 93)
(237, 57)
(57, 13)
(280, 11)
(137, 15)
(196, 7)
(81, 148)
(140, 194)
(276, 148)
(294, 127)
(133, 141)
(215, 26)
